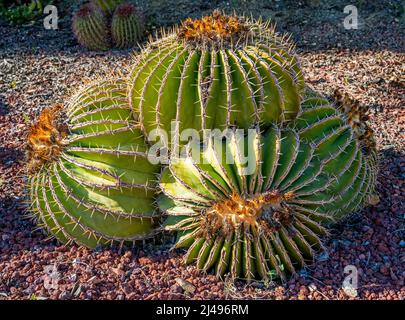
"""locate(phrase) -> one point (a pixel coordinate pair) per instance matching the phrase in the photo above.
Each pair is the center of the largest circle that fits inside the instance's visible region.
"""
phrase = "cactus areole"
(89, 177)
(216, 72)
(257, 206)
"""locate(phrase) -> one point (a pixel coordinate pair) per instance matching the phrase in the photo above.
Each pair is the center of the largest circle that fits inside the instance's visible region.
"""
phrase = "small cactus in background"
(216, 72)
(90, 180)
(90, 27)
(268, 223)
(108, 6)
(126, 26)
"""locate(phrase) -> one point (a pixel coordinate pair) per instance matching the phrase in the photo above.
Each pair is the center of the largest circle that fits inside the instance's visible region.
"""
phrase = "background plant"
(101, 24)
(127, 26)
(108, 6)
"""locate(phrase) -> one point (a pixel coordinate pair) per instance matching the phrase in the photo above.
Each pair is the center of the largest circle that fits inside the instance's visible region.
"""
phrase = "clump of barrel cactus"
(126, 26)
(90, 26)
(108, 6)
(265, 217)
(90, 180)
(216, 72)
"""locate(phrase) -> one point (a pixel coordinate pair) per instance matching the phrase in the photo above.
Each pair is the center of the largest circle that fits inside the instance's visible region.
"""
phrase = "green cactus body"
(127, 26)
(216, 72)
(268, 222)
(90, 27)
(108, 6)
(91, 181)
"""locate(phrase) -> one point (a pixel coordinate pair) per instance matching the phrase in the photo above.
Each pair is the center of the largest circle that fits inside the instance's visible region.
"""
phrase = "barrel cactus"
(108, 6)
(216, 72)
(126, 26)
(90, 180)
(90, 26)
(256, 206)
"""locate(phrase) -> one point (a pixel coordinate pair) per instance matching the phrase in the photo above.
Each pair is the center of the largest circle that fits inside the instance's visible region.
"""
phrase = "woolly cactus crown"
(45, 138)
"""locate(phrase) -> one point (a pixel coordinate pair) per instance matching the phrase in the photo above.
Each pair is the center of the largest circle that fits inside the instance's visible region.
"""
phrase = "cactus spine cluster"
(90, 181)
(216, 72)
(90, 26)
(126, 26)
(271, 221)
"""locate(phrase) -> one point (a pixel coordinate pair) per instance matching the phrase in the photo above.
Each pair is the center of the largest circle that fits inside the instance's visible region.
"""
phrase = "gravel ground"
(39, 68)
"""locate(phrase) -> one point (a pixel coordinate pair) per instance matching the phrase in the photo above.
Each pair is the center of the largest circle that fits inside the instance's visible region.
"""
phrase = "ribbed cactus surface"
(257, 206)
(108, 6)
(126, 26)
(216, 72)
(90, 181)
(90, 26)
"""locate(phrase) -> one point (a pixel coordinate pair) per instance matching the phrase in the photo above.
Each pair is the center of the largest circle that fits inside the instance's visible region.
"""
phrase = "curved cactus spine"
(90, 27)
(127, 26)
(216, 72)
(91, 182)
(108, 6)
(268, 221)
